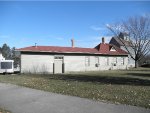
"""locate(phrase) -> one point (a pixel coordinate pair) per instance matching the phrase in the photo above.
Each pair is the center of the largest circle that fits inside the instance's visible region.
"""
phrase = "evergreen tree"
(6, 51)
(10, 54)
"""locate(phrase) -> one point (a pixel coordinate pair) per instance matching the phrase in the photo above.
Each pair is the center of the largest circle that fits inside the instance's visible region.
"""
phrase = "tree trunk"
(136, 64)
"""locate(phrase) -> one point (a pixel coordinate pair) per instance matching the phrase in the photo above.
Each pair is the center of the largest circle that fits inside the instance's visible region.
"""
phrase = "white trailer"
(6, 66)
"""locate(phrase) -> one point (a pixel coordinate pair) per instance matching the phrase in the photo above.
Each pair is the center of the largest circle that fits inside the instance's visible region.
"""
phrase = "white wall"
(77, 63)
(44, 63)
(74, 63)
(36, 63)
(108, 63)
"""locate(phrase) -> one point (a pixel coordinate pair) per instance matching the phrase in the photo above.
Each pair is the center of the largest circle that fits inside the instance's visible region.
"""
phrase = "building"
(54, 59)
(125, 39)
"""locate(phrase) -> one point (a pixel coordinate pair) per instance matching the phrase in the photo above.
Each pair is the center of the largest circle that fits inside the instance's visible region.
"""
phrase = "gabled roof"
(112, 49)
(106, 49)
(99, 49)
(120, 40)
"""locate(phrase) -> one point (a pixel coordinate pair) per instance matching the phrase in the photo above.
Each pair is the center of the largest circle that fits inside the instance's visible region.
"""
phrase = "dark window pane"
(6, 65)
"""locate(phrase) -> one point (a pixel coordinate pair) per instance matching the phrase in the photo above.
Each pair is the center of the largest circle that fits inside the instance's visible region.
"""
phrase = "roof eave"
(55, 52)
(71, 52)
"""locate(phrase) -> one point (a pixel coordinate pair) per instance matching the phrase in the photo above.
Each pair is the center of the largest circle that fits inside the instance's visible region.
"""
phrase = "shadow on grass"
(145, 69)
(140, 74)
(134, 70)
(105, 79)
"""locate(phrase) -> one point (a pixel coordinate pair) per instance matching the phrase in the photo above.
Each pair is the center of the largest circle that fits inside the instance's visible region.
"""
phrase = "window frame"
(96, 60)
(87, 61)
(122, 61)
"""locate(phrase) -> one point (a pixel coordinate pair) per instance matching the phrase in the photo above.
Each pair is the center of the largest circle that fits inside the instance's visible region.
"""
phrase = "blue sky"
(55, 23)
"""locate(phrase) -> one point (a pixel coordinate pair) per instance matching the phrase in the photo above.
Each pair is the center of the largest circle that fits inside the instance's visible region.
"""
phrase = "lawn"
(3, 111)
(130, 87)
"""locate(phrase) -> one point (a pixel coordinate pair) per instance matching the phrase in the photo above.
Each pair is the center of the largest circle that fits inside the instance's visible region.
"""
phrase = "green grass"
(130, 87)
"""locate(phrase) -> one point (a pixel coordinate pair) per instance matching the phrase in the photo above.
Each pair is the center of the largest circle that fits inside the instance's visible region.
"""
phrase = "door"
(58, 64)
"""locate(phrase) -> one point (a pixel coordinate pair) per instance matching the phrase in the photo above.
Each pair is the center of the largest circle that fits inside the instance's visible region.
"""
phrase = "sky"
(50, 23)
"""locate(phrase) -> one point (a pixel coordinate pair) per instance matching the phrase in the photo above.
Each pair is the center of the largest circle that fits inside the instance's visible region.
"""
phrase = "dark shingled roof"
(120, 40)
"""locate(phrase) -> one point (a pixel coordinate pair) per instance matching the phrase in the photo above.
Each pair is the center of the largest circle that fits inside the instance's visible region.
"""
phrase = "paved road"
(25, 100)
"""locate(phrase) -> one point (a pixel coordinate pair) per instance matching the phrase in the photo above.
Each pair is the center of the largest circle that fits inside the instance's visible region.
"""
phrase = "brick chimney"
(72, 42)
(103, 40)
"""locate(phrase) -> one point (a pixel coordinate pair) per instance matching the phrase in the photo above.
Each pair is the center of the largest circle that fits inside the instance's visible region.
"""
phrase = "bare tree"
(138, 30)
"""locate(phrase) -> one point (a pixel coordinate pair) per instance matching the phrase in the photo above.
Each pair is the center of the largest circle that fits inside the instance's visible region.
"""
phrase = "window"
(112, 49)
(122, 61)
(58, 57)
(115, 61)
(6, 65)
(106, 60)
(87, 61)
(96, 60)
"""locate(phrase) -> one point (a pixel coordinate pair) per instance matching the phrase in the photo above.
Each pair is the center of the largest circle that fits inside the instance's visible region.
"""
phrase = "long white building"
(54, 59)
